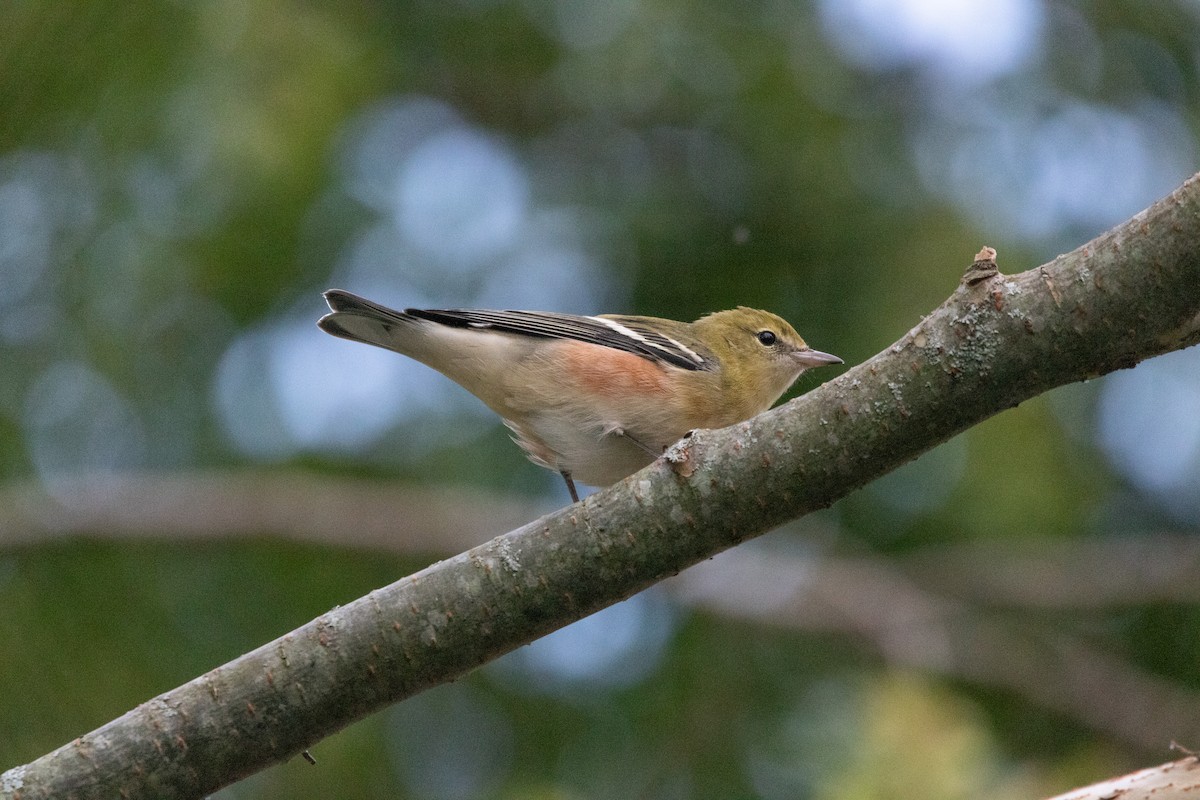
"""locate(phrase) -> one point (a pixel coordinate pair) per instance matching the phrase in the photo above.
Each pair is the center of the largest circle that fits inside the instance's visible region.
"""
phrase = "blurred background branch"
(329, 510)
(1014, 573)
(944, 608)
(1056, 665)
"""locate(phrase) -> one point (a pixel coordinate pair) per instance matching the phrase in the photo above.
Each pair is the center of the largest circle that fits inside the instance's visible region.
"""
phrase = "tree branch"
(931, 609)
(1130, 294)
(1175, 780)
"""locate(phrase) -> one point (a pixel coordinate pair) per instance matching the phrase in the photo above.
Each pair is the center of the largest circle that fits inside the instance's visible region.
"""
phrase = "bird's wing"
(630, 334)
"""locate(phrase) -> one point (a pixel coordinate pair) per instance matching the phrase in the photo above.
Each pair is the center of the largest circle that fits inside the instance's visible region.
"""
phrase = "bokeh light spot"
(1148, 423)
(462, 197)
(958, 43)
(77, 423)
(433, 757)
(613, 648)
(46, 201)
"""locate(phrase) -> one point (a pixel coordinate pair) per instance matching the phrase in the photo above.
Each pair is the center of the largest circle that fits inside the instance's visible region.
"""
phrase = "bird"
(595, 398)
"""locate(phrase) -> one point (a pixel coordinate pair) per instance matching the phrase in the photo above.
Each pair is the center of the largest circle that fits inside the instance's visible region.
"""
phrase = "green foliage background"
(191, 159)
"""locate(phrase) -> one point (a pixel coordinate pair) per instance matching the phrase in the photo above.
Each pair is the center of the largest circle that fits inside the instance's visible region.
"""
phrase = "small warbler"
(595, 398)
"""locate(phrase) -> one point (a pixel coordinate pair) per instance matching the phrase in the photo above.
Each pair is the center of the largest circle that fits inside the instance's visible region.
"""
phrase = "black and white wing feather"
(631, 334)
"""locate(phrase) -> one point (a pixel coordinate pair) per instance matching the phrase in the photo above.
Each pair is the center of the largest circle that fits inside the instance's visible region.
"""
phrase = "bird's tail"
(359, 320)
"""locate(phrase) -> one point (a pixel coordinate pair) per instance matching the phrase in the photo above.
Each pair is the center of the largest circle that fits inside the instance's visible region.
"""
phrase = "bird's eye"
(766, 337)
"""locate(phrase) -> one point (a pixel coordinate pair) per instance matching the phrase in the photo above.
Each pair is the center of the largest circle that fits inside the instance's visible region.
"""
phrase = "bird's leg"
(570, 485)
(649, 450)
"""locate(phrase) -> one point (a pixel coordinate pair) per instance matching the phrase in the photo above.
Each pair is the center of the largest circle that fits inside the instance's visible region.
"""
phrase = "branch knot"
(982, 268)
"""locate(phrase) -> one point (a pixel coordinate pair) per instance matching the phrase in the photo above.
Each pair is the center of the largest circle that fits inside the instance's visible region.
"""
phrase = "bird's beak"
(814, 358)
